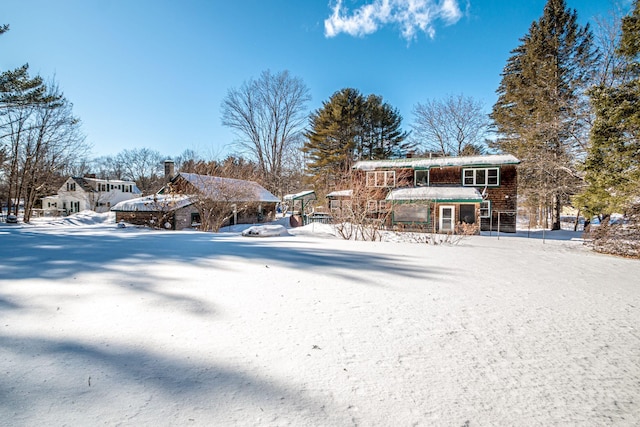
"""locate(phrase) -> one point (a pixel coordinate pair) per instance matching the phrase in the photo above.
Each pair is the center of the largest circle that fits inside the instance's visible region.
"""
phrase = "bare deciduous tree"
(218, 200)
(456, 125)
(361, 216)
(44, 139)
(145, 167)
(267, 115)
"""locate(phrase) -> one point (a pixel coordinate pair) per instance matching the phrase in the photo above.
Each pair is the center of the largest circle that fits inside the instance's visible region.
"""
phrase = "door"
(447, 218)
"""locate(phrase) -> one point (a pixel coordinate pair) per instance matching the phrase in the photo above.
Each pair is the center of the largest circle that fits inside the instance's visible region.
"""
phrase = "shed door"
(447, 218)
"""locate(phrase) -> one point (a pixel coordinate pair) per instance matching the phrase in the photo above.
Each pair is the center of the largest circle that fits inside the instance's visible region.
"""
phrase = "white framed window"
(381, 179)
(372, 206)
(334, 204)
(384, 206)
(485, 209)
(478, 177)
(421, 178)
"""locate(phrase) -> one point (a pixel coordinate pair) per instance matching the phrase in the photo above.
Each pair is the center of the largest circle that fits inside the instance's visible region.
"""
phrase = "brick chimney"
(169, 170)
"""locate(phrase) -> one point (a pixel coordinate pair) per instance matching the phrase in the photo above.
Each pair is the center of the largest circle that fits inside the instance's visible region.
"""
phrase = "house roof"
(153, 203)
(85, 183)
(340, 193)
(303, 195)
(436, 194)
(114, 182)
(417, 163)
(228, 189)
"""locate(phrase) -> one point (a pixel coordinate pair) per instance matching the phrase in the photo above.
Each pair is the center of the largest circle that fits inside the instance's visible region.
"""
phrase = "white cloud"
(411, 16)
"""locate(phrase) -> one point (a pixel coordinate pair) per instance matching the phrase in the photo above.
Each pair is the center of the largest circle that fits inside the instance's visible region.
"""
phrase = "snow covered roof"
(491, 160)
(90, 184)
(109, 181)
(436, 194)
(340, 193)
(229, 189)
(154, 203)
(306, 195)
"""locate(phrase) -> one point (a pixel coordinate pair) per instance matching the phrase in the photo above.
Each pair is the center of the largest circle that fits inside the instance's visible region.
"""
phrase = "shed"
(299, 205)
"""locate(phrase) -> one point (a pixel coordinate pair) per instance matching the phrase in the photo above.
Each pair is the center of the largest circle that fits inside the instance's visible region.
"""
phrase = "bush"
(617, 238)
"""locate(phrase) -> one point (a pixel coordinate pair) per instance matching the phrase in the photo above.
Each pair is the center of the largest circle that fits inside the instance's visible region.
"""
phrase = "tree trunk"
(555, 214)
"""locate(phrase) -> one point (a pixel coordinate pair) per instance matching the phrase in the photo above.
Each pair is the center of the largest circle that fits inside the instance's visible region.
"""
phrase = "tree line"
(567, 108)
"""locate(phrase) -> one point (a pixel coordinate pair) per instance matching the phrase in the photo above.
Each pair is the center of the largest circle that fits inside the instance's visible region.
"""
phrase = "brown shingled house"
(441, 193)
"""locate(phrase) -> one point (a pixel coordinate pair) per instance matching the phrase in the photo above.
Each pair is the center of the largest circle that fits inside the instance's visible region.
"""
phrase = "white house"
(78, 194)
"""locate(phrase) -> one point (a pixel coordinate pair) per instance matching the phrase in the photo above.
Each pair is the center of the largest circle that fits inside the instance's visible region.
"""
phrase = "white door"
(447, 218)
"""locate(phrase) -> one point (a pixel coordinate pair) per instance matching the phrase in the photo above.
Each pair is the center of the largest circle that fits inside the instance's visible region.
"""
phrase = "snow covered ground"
(109, 326)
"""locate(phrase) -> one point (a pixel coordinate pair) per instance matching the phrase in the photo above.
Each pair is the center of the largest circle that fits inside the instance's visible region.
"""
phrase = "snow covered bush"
(619, 237)
(265, 231)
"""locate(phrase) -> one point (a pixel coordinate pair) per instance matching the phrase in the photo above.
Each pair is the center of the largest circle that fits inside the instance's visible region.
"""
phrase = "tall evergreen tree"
(349, 127)
(382, 136)
(612, 167)
(541, 115)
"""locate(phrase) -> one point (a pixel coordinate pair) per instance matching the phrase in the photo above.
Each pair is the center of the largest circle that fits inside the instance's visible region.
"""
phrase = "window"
(195, 219)
(412, 213)
(485, 209)
(468, 214)
(383, 206)
(381, 179)
(71, 186)
(481, 177)
(372, 206)
(421, 178)
(334, 204)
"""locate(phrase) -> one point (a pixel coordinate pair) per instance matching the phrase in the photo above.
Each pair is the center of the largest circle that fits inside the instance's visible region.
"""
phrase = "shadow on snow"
(70, 380)
(59, 255)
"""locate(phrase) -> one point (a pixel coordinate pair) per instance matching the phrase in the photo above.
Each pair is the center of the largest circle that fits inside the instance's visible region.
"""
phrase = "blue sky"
(153, 73)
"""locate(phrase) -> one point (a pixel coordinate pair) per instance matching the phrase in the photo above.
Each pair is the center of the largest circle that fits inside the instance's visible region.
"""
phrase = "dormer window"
(480, 177)
(421, 178)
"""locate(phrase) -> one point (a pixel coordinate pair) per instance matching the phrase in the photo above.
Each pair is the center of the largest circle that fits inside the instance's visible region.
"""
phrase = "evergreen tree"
(541, 115)
(612, 167)
(382, 136)
(350, 127)
(332, 140)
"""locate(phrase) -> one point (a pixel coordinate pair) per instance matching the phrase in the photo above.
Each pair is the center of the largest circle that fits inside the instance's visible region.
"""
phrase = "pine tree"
(349, 127)
(612, 167)
(333, 137)
(541, 113)
(20, 96)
